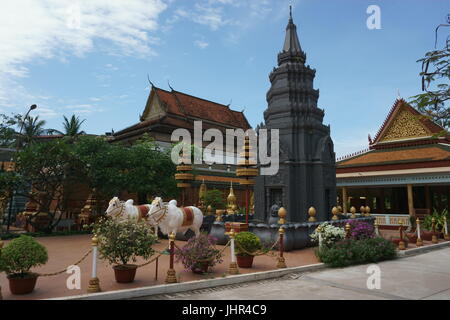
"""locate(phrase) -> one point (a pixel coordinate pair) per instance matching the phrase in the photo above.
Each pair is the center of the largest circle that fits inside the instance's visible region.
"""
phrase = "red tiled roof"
(182, 104)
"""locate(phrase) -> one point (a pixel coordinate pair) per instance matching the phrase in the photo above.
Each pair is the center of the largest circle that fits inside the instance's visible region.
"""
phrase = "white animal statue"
(170, 218)
(123, 210)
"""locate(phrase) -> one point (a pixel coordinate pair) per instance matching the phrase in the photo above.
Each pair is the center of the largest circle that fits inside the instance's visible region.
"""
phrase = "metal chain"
(258, 252)
(62, 271)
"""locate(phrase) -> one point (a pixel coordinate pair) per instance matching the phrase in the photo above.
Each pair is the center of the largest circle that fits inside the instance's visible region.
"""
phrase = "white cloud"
(201, 44)
(31, 29)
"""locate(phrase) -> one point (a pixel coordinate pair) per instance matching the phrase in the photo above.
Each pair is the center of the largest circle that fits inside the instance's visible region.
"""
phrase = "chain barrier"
(150, 261)
(259, 252)
(63, 271)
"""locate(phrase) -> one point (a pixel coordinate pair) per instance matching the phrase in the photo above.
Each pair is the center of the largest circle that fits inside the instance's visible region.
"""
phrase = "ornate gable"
(404, 125)
(154, 108)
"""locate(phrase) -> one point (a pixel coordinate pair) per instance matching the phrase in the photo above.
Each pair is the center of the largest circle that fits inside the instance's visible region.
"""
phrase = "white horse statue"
(127, 210)
(170, 218)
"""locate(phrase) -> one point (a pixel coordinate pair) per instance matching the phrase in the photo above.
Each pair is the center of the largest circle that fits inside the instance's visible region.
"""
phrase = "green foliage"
(246, 243)
(121, 241)
(439, 218)
(214, 198)
(8, 236)
(435, 84)
(22, 254)
(350, 252)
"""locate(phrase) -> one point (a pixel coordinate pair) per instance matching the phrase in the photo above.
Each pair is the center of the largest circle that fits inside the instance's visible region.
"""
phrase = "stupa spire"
(292, 50)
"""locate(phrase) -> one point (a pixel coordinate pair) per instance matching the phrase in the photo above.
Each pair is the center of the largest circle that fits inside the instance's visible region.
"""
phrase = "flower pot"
(18, 285)
(426, 235)
(125, 273)
(244, 261)
(201, 267)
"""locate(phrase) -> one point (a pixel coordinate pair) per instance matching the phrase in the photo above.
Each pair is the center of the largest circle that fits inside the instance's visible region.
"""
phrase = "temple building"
(405, 172)
(307, 173)
(166, 111)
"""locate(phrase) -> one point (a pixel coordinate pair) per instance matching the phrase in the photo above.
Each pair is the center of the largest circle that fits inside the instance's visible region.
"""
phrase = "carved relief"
(405, 125)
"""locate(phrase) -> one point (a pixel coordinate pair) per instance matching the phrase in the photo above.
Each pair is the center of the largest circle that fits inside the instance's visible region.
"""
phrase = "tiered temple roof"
(174, 109)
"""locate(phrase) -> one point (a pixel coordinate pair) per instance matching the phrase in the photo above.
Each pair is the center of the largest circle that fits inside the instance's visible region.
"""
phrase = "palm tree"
(72, 127)
(32, 127)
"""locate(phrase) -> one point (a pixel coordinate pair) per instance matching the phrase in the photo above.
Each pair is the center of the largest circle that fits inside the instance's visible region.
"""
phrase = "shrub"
(197, 250)
(246, 243)
(22, 254)
(121, 241)
(349, 252)
(330, 234)
(439, 218)
(361, 230)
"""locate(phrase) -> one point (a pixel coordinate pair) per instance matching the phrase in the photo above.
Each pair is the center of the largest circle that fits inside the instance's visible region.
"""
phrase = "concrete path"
(424, 276)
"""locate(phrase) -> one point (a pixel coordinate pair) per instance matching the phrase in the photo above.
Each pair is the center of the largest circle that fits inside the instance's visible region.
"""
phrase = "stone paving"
(425, 276)
(66, 250)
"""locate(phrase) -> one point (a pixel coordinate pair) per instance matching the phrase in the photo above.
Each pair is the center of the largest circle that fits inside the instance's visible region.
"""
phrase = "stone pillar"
(410, 200)
(344, 199)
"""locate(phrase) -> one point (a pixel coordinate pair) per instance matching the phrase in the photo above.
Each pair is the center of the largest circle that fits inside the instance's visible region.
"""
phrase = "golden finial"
(282, 215)
(172, 236)
(281, 230)
(353, 212)
(94, 240)
(335, 212)
(347, 229)
(367, 209)
(312, 214)
(362, 209)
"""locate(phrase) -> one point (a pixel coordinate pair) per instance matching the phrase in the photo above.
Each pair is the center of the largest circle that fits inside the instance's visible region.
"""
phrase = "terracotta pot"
(125, 273)
(426, 235)
(24, 285)
(244, 261)
(201, 268)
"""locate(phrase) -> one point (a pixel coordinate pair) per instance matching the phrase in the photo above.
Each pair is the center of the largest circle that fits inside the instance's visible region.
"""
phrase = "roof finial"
(290, 12)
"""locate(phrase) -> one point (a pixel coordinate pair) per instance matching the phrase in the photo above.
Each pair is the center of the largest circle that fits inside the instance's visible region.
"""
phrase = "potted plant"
(16, 260)
(121, 242)
(199, 253)
(247, 243)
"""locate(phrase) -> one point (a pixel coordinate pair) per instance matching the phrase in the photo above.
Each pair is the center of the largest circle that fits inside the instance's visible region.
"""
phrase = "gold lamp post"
(247, 171)
(231, 201)
(201, 196)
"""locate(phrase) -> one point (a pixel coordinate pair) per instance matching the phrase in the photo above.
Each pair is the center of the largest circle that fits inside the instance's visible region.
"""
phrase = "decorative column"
(171, 277)
(419, 241)
(401, 243)
(347, 230)
(233, 269)
(410, 201)
(446, 237)
(184, 176)
(247, 172)
(281, 261)
(434, 238)
(344, 199)
(94, 282)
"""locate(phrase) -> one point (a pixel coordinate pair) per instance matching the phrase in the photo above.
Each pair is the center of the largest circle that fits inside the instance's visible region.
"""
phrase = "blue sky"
(92, 57)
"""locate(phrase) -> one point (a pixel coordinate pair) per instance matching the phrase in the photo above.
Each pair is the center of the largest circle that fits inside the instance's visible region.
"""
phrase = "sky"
(91, 58)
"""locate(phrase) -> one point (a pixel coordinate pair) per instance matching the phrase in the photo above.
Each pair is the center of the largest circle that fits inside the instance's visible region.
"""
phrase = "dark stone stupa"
(307, 173)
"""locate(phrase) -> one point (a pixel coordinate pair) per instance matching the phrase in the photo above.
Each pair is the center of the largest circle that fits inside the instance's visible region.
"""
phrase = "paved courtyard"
(425, 276)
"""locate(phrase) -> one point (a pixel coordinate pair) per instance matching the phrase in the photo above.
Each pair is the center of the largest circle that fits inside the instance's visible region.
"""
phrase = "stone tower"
(307, 173)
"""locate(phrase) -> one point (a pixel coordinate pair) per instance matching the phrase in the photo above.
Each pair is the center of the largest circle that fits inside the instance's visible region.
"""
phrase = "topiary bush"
(246, 243)
(350, 252)
(22, 254)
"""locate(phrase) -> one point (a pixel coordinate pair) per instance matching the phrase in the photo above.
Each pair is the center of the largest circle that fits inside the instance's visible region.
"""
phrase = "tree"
(31, 128)
(435, 83)
(72, 127)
